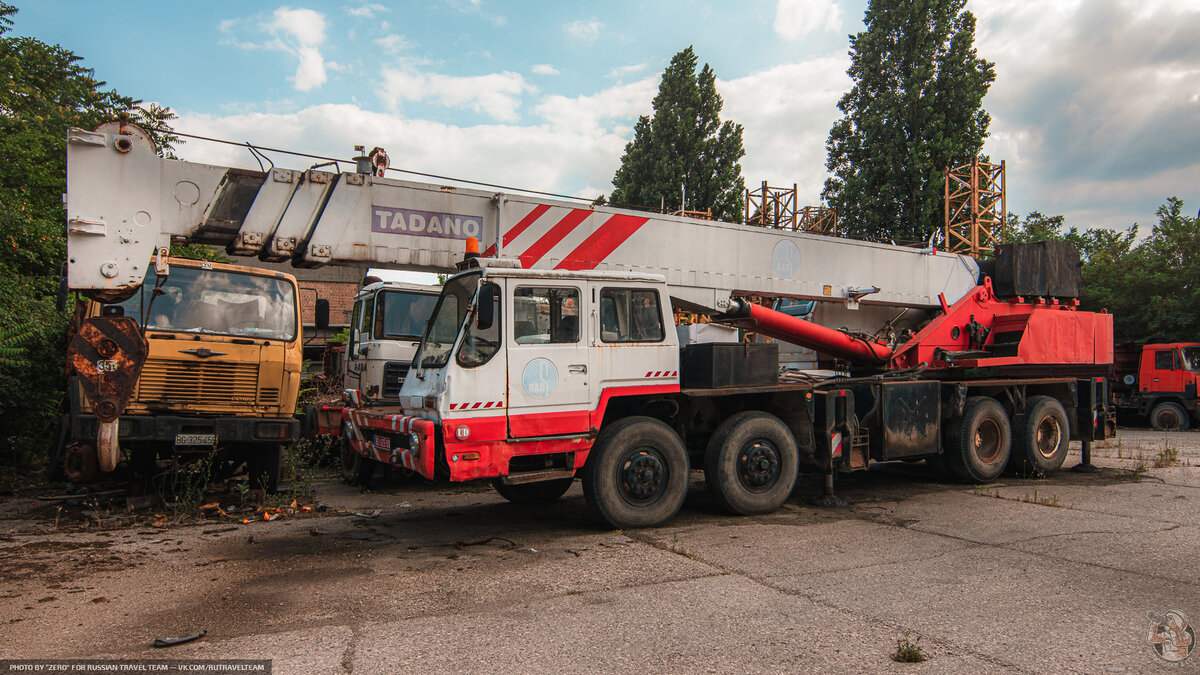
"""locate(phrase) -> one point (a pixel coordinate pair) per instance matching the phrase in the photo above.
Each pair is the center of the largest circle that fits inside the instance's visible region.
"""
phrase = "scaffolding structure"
(976, 212)
(775, 207)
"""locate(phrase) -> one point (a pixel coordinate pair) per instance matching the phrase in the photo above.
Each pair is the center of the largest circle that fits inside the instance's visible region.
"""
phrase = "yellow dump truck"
(220, 377)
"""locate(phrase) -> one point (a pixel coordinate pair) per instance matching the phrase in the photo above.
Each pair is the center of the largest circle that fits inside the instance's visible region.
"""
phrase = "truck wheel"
(534, 494)
(356, 469)
(983, 443)
(1168, 416)
(1041, 436)
(751, 463)
(637, 475)
(265, 466)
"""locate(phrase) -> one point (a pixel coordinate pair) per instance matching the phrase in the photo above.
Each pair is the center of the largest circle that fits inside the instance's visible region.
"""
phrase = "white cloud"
(544, 69)
(365, 11)
(393, 43)
(622, 71)
(300, 32)
(786, 112)
(608, 112)
(1093, 105)
(520, 156)
(584, 31)
(497, 95)
(795, 19)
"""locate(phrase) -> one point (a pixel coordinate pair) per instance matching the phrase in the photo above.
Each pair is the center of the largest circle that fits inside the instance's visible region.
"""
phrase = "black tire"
(265, 466)
(751, 463)
(981, 447)
(356, 469)
(1168, 416)
(534, 494)
(1041, 437)
(637, 474)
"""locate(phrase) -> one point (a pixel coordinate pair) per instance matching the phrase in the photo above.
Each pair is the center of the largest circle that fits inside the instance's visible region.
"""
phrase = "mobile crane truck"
(552, 354)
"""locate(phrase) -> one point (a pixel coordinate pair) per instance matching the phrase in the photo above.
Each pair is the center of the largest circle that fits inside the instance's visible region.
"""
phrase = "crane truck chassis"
(552, 355)
(594, 388)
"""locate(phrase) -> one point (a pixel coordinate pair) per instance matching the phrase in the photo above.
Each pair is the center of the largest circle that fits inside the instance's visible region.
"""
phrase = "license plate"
(195, 439)
(383, 442)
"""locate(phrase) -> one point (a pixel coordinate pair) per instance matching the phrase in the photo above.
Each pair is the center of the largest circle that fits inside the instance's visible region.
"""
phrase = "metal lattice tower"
(775, 207)
(976, 213)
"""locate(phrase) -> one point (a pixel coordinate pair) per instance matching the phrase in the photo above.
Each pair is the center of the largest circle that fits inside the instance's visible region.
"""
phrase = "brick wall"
(340, 295)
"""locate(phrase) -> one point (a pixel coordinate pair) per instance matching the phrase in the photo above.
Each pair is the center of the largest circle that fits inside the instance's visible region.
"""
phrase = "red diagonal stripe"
(602, 242)
(519, 228)
(556, 234)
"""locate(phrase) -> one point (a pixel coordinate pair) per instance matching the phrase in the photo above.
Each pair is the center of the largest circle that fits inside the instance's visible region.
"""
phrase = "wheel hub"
(987, 441)
(1049, 436)
(758, 465)
(643, 476)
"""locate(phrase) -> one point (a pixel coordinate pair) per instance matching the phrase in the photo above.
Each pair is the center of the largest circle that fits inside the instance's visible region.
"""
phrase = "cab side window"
(1164, 360)
(544, 315)
(630, 315)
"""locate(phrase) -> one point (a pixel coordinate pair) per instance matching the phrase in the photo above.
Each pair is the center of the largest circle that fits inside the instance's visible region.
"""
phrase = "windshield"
(447, 318)
(217, 302)
(1191, 358)
(402, 314)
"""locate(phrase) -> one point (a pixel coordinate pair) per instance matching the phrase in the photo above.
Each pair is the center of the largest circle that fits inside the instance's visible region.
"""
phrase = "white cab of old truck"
(558, 346)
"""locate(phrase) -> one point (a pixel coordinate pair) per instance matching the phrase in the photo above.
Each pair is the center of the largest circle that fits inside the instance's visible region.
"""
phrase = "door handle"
(577, 368)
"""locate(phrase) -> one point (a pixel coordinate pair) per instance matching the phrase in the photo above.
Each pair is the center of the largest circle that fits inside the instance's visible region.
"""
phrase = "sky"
(1095, 108)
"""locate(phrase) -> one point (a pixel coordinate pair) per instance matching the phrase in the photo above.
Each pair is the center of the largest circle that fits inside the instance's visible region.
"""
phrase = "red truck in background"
(1158, 382)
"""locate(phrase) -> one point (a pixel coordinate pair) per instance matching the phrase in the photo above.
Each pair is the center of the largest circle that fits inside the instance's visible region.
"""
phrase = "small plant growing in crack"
(908, 651)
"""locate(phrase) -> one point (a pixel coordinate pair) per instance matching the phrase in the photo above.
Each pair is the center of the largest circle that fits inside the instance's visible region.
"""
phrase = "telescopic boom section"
(746, 314)
(124, 201)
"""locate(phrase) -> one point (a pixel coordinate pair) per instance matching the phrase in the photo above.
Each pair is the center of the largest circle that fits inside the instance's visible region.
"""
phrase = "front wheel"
(356, 469)
(1169, 416)
(983, 442)
(751, 463)
(637, 474)
(533, 494)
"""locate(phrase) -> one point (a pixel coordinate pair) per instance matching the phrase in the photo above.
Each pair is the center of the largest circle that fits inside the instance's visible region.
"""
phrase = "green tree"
(915, 108)
(684, 148)
(45, 90)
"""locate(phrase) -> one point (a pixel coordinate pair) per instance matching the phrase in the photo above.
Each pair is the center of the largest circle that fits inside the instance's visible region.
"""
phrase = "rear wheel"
(533, 494)
(1041, 437)
(1169, 416)
(983, 442)
(751, 463)
(356, 469)
(637, 474)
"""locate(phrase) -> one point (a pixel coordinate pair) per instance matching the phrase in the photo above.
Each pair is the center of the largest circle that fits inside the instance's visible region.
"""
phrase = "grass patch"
(908, 651)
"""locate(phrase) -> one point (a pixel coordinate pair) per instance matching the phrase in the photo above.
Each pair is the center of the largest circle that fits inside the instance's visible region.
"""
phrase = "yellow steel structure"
(975, 207)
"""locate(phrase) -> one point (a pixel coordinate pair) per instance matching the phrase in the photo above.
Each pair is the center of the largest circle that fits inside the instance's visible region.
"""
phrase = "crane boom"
(124, 201)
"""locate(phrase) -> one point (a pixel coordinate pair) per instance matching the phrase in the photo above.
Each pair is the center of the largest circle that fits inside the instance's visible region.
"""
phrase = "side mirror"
(485, 312)
(321, 312)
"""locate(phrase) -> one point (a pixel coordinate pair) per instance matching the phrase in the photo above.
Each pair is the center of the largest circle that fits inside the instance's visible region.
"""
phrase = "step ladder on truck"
(552, 354)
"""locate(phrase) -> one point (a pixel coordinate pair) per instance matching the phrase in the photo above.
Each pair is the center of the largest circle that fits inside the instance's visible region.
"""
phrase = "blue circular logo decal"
(786, 258)
(540, 378)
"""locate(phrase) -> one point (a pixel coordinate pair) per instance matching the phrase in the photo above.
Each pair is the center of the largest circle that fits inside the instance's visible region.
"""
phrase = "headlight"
(414, 442)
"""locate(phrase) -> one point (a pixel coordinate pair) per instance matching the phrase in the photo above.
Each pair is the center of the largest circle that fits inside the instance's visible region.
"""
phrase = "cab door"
(356, 347)
(1167, 375)
(548, 379)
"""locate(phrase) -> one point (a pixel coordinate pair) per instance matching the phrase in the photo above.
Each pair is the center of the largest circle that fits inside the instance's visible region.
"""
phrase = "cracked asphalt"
(1051, 575)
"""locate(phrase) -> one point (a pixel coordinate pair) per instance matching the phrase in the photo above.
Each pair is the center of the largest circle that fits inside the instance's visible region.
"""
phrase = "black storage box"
(1045, 269)
(729, 364)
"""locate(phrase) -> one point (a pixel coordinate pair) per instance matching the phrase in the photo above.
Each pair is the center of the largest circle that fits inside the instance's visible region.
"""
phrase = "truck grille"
(393, 376)
(198, 382)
